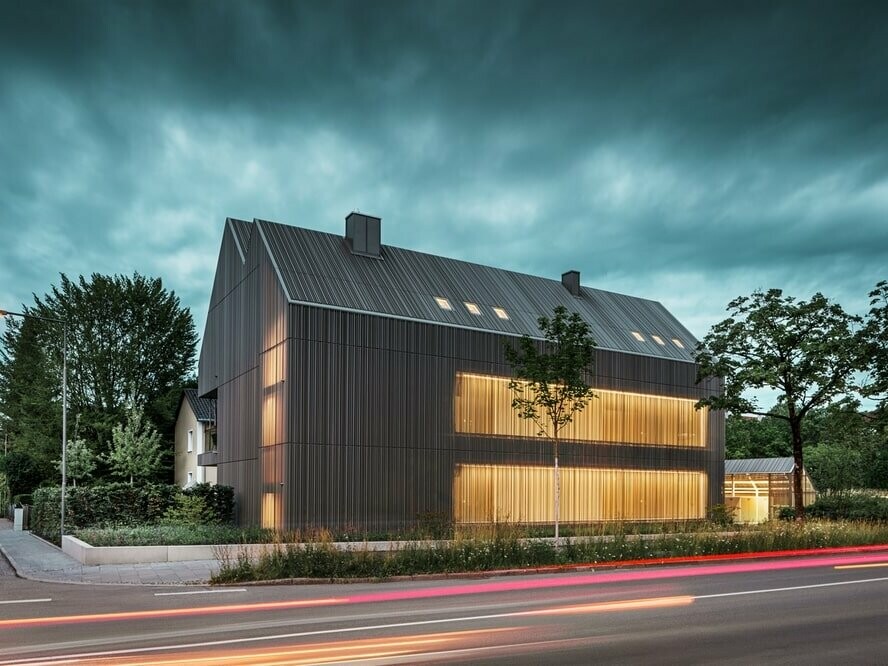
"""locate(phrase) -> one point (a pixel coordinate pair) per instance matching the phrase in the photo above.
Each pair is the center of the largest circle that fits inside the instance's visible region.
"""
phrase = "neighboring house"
(195, 440)
(360, 384)
(756, 488)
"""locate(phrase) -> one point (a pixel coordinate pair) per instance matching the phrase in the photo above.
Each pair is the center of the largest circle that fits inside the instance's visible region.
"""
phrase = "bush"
(849, 506)
(120, 504)
(173, 535)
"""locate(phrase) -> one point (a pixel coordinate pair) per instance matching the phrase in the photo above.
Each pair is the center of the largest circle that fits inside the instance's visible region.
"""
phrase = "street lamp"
(64, 323)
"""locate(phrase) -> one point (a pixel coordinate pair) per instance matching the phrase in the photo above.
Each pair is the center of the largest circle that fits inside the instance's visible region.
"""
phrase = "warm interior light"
(658, 340)
(638, 336)
(443, 303)
(483, 406)
(677, 343)
(502, 314)
(523, 494)
(473, 308)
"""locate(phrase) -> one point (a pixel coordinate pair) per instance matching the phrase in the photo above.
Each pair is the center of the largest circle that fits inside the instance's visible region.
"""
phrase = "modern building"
(756, 488)
(195, 440)
(361, 384)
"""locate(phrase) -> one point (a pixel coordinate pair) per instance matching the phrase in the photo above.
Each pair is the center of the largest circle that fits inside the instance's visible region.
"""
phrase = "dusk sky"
(683, 152)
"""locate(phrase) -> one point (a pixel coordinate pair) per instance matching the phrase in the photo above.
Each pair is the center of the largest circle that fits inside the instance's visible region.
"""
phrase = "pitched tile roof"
(204, 408)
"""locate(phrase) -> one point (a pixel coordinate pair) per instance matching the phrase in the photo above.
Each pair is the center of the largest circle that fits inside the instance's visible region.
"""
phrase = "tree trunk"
(557, 491)
(797, 496)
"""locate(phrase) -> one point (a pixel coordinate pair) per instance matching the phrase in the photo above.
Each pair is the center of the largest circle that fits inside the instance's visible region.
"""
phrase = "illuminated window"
(638, 336)
(483, 406)
(523, 494)
(658, 340)
(502, 314)
(677, 343)
(443, 303)
(473, 308)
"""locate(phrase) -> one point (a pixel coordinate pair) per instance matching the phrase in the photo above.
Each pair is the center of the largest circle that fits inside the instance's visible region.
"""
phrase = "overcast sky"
(684, 152)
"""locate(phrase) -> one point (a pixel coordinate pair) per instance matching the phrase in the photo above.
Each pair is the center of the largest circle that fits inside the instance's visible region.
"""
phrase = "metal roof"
(243, 230)
(318, 268)
(204, 408)
(760, 466)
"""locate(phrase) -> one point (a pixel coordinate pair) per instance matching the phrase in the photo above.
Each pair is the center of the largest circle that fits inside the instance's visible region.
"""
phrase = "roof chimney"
(362, 232)
(571, 281)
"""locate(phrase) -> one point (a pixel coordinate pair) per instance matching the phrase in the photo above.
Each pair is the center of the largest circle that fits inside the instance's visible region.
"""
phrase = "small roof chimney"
(571, 281)
(363, 234)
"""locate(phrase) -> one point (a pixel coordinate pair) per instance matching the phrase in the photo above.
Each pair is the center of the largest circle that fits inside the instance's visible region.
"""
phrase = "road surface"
(810, 610)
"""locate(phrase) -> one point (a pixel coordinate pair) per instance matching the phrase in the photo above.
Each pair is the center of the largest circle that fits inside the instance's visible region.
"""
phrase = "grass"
(174, 535)
(507, 550)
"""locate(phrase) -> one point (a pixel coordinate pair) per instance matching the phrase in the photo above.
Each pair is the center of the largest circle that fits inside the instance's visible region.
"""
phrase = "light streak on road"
(862, 566)
(634, 575)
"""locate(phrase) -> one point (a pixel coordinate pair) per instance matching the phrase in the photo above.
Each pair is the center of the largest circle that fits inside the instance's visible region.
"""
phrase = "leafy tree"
(751, 437)
(80, 461)
(135, 448)
(550, 384)
(876, 333)
(130, 342)
(31, 391)
(23, 472)
(808, 351)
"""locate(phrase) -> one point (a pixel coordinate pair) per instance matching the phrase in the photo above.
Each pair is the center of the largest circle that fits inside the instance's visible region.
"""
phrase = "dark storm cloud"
(687, 152)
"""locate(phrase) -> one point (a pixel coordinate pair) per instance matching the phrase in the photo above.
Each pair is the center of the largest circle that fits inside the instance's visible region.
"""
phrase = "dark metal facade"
(333, 417)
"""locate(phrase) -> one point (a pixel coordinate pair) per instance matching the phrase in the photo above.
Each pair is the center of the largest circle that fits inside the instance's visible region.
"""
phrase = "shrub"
(721, 515)
(173, 535)
(849, 506)
(219, 501)
(189, 510)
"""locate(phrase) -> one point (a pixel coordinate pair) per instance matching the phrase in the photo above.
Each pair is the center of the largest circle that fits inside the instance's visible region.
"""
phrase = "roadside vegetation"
(508, 550)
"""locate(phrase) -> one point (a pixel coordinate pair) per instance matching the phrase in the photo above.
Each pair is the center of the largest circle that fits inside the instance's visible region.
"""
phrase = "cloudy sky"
(684, 152)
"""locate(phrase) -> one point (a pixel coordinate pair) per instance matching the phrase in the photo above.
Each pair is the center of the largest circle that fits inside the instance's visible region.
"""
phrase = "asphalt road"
(825, 610)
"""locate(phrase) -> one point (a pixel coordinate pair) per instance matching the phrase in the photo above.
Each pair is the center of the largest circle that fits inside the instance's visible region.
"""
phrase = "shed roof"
(318, 268)
(760, 466)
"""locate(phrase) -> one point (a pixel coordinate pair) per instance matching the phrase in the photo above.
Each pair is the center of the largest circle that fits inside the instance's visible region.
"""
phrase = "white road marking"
(225, 591)
(395, 625)
(24, 601)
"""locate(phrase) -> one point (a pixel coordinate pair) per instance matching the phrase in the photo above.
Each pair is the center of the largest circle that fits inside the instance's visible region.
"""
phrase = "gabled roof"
(204, 408)
(317, 268)
(760, 466)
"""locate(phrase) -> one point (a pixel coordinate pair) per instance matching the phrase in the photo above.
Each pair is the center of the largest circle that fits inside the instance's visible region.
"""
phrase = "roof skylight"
(502, 314)
(678, 343)
(473, 308)
(443, 303)
(638, 336)
(658, 339)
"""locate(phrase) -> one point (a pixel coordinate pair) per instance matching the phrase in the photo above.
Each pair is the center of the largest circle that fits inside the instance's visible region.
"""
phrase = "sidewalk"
(36, 559)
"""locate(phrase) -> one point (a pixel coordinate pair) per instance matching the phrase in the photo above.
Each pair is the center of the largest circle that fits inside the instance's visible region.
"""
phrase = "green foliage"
(808, 351)
(130, 342)
(189, 510)
(80, 462)
(850, 506)
(135, 448)
(218, 499)
(173, 535)
(434, 525)
(721, 515)
(23, 472)
(112, 504)
(550, 384)
(507, 552)
(876, 334)
(766, 437)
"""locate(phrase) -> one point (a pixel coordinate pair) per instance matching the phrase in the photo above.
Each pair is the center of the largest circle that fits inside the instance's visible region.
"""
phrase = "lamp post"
(64, 323)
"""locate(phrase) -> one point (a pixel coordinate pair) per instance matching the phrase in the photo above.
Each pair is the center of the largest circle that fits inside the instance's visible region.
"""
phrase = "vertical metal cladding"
(335, 418)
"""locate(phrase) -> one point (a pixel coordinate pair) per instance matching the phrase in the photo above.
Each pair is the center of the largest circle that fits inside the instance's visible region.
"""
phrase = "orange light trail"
(609, 606)
(862, 566)
(170, 612)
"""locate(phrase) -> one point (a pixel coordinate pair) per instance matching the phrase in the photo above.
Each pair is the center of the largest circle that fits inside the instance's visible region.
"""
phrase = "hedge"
(120, 504)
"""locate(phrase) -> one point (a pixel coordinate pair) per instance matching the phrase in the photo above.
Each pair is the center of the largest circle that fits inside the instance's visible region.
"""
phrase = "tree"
(80, 462)
(23, 472)
(550, 384)
(808, 351)
(130, 342)
(876, 333)
(753, 437)
(135, 448)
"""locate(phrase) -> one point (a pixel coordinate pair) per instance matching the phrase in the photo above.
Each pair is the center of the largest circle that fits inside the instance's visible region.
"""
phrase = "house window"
(658, 340)
(190, 477)
(638, 336)
(502, 314)
(473, 308)
(443, 303)
(190, 441)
